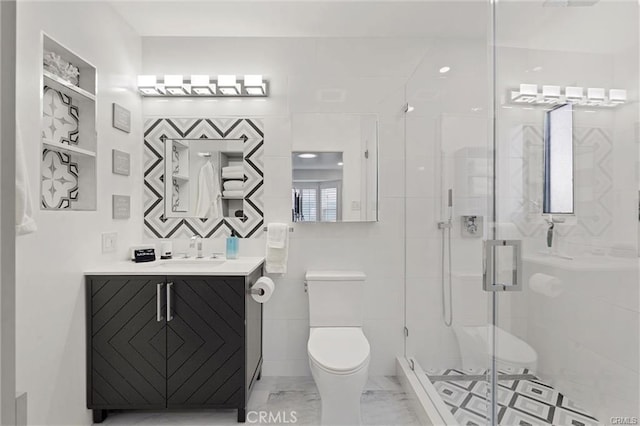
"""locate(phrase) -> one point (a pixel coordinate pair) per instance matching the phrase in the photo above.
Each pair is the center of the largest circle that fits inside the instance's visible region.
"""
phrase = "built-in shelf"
(57, 83)
(68, 182)
(180, 177)
(71, 149)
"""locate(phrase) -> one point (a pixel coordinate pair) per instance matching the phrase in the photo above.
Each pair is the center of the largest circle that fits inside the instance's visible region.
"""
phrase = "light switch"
(109, 242)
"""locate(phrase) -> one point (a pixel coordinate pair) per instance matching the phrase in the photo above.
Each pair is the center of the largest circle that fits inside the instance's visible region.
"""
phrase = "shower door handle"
(489, 275)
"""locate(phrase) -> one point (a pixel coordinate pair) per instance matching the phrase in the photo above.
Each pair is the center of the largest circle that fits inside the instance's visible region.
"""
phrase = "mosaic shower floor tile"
(523, 399)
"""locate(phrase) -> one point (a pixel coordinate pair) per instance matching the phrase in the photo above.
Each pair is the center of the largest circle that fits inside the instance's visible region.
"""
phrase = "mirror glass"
(334, 168)
(207, 178)
(558, 160)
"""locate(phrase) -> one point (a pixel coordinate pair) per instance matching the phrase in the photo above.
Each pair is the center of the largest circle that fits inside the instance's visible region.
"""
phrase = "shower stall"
(521, 216)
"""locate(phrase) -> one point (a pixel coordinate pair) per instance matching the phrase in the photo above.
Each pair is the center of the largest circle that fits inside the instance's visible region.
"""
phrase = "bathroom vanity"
(177, 334)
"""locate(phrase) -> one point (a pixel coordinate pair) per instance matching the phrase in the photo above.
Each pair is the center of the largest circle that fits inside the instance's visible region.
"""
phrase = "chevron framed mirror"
(203, 176)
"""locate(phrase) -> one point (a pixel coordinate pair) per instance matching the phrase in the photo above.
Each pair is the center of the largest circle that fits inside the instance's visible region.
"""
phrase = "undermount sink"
(190, 262)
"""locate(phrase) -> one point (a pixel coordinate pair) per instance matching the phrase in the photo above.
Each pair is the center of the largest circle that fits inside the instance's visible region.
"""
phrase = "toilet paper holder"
(257, 291)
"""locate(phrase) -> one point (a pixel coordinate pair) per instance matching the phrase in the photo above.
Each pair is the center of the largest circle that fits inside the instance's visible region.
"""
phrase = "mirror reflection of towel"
(229, 169)
(209, 203)
(233, 174)
(233, 185)
(233, 194)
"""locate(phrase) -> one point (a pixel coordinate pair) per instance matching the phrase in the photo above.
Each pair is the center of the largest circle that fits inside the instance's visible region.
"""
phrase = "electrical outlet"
(109, 242)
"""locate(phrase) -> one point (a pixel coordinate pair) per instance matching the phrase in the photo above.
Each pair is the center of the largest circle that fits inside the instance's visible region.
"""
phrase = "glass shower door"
(565, 347)
(561, 345)
(448, 146)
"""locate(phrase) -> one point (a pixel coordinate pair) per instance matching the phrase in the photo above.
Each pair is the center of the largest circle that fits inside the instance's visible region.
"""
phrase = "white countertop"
(205, 267)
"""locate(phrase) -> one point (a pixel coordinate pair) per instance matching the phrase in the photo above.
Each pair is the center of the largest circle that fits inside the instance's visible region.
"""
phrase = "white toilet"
(338, 349)
(513, 354)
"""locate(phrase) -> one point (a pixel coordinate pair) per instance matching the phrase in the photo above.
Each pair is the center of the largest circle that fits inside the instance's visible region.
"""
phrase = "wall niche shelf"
(233, 204)
(59, 84)
(69, 149)
(69, 139)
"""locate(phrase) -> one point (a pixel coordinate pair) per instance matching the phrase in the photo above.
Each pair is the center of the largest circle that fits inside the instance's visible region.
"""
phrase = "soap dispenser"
(232, 246)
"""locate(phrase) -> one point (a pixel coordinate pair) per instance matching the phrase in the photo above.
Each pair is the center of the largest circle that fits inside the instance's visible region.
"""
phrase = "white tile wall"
(441, 125)
(50, 330)
(295, 69)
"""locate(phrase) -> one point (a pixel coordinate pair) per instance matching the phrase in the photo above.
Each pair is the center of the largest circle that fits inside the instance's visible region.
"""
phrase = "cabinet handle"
(159, 302)
(169, 316)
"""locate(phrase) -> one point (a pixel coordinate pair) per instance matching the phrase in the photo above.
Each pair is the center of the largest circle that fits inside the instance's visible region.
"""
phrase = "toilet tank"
(336, 298)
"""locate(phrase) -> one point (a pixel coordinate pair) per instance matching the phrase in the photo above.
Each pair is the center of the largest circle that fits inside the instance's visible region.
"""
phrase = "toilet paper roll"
(546, 285)
(267, 286)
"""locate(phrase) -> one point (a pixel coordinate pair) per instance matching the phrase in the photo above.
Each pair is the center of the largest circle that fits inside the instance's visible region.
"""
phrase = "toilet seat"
(338, 350)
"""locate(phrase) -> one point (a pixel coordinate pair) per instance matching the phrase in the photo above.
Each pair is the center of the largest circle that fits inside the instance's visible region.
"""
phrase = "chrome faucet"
(550, 232)
(196, 243)
(551, 221)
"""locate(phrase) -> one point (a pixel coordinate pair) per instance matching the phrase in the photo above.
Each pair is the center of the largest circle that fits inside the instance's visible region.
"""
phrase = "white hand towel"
(233, 185)
(277, 248)
(233, 194)
(24, 208)
(233, 174)
(209, 202)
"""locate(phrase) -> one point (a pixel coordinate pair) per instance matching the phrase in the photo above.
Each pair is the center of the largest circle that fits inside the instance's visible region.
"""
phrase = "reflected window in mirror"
(558, 161)
(317, 186)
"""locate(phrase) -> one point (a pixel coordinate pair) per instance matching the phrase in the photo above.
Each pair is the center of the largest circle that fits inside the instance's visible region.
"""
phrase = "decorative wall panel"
(60, 117)
(59, 178)
(156, 224)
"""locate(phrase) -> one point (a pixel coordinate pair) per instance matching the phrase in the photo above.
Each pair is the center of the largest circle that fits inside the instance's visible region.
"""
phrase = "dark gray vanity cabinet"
(127, 347)
(172, 342)
(205, 332)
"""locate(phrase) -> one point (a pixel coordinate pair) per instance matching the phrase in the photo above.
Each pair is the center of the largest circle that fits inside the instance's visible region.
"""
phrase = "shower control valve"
(472, 226)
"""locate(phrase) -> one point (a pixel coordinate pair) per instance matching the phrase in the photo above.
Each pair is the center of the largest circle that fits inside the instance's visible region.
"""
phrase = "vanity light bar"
(173, 85)
(551, 95)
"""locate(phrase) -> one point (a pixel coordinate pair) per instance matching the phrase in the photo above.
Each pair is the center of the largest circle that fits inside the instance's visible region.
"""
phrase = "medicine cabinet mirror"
(334, 168)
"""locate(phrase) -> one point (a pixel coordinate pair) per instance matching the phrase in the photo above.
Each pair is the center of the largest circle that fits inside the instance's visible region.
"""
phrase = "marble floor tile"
(390, 383)
(383, 403)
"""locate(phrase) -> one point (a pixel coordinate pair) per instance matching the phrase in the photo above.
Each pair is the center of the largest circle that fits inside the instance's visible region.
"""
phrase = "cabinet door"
(205, 341)
(128, 342)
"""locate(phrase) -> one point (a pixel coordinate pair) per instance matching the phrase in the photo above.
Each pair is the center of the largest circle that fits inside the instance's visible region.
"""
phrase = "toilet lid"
(338, 349)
